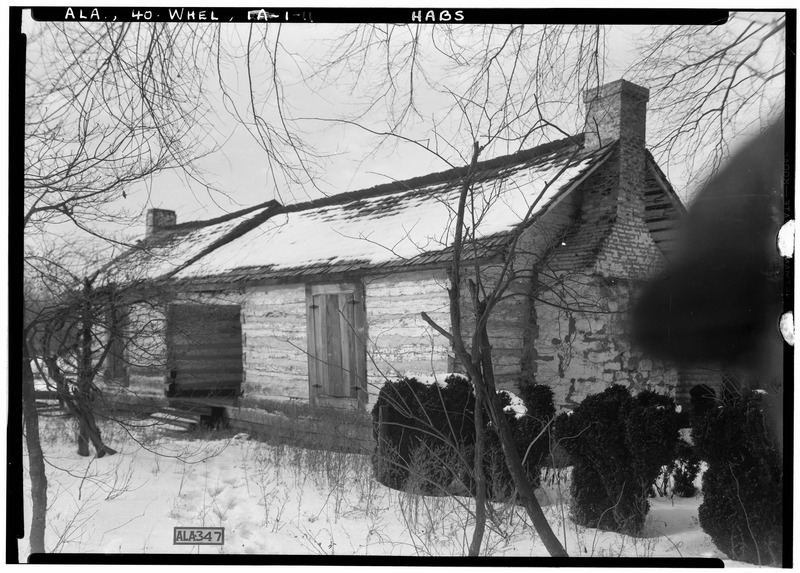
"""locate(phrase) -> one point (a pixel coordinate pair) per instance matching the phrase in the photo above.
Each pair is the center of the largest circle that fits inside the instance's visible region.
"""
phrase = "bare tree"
(104, 110)
(81, 334)
(108, 106)
(710, 84)
(505, 85)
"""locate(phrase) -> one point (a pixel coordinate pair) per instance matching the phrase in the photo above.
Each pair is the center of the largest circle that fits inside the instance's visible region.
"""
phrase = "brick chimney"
(159, 220)
(617, 111)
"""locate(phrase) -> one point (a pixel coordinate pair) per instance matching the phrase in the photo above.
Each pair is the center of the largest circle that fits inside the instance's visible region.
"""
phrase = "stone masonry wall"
(585, 349)
(580, 334)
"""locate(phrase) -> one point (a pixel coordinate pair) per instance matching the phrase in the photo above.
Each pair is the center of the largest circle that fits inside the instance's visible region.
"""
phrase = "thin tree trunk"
(480, 479)
(513, 461)
(100, 446)
(81, 412)
(86, 371)
(486, 386)
(83, 439)
(35, 457)
(480, 361)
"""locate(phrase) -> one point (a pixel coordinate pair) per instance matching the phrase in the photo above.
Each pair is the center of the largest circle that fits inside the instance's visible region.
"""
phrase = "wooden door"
(204, 345)
(336, 349)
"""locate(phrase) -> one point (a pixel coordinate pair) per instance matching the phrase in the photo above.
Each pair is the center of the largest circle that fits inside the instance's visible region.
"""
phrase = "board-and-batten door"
(336, 346)
(204, 350)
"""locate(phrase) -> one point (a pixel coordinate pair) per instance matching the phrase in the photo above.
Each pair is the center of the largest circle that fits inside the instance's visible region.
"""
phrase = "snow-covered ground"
(279, 499)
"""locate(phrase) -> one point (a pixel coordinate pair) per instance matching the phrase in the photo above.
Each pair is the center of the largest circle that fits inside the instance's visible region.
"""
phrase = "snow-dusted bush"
(532, 443)
(742, 507)
(499, 483)
(433, 426)
(618, 445)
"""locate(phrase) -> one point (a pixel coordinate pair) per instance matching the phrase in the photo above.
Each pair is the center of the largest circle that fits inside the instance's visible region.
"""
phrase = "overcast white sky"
(240, 167)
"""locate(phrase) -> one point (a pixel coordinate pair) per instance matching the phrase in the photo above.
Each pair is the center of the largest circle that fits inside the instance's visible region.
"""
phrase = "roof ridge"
(517, 157)
(521, 156)
(199, 223)
(237, 231)
(269, 208)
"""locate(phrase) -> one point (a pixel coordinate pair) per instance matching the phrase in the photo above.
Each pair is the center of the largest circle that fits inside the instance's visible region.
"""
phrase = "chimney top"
(159, 220)
(616, 110)
(629, 89)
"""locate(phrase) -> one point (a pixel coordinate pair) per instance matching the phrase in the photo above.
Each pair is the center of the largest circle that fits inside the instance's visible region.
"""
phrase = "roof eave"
(664, 183)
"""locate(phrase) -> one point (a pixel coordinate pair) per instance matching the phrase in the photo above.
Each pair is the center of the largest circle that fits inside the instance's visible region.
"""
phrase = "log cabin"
(320, 302)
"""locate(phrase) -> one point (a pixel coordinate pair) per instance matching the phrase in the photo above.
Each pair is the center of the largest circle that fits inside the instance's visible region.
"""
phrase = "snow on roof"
(165, 253)
(415, 217)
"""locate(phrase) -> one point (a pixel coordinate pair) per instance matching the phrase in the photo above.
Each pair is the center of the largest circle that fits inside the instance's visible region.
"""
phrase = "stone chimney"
(617, 110)
(159, 220)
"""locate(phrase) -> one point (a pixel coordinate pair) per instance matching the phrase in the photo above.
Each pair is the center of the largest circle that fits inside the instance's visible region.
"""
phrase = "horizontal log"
(203, 335)
(190, 350)
(207, 385)
(207, 375)
(46, 394)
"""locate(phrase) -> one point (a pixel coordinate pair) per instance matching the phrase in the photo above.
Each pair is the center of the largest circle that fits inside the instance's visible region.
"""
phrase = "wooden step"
(175, 420)
(45, 394)
(42, 409)
(191, 414)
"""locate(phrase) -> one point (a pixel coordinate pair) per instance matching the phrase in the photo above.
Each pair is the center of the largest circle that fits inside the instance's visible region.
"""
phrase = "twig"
(436, 327)
(746, 519)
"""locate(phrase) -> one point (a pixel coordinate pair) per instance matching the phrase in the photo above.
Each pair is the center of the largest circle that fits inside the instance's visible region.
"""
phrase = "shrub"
(677, 478)
(402, 436)
(451, 409)
(702, 399)
(428, 430)
(618, 445)
(686, 468)
(499, 482)
(742, 507)
(525, 430)
(430, 436)
(652, 434)
(538, 400)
